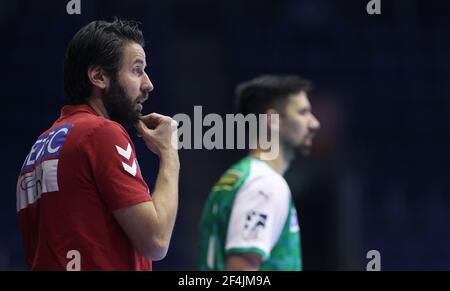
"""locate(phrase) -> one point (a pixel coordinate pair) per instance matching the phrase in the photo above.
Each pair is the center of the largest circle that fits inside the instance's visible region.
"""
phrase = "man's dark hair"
(99, 43)
(269, 91)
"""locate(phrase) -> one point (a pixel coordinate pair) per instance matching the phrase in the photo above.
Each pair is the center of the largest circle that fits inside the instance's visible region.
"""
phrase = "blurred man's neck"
(97, 104)
(281, 162)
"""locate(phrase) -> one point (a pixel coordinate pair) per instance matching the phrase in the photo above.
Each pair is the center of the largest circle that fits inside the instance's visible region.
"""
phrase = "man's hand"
(157, 131)
(149, 225)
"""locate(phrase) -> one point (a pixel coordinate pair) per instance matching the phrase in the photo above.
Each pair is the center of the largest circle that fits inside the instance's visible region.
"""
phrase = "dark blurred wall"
(378, 175)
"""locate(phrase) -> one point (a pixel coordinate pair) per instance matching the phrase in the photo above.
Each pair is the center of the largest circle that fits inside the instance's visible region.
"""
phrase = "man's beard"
(119, 105)
(297, 150)
(303, 150)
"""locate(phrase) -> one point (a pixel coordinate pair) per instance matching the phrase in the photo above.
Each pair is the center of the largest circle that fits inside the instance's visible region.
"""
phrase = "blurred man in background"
(249, 221)
(81, 199)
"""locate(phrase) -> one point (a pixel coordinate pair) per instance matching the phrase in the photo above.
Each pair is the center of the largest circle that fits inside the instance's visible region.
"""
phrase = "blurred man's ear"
(98, 77)
(273, 119)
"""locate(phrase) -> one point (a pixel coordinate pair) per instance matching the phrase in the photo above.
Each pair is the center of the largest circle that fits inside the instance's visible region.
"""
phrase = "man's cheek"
(300, 129)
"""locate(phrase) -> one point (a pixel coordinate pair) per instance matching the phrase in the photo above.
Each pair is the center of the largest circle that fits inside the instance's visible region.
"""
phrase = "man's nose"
(147, 85)
(315, 124)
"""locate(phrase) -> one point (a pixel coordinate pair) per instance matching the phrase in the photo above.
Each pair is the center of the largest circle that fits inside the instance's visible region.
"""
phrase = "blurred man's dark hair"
(269, 91)
(99, 43)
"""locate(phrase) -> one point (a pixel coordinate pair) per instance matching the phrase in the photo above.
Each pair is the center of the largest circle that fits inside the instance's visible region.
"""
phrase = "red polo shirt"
(78, 172)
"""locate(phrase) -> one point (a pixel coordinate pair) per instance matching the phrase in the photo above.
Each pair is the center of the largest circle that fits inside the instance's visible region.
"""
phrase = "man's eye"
(303, 112)
(138, 71)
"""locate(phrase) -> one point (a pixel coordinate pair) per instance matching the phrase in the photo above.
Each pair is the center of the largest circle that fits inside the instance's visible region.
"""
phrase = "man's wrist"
(170, 156)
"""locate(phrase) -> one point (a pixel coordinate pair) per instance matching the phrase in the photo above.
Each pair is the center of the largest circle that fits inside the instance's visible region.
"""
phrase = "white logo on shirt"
(127, 155)
(263, 194)
(255, 221)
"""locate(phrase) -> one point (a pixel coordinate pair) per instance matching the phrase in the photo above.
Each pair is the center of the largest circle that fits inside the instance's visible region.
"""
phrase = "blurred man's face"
(298, 125)
(129, 89)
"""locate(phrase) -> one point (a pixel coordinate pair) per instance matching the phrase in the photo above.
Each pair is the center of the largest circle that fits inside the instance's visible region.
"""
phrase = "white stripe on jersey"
(31, 185)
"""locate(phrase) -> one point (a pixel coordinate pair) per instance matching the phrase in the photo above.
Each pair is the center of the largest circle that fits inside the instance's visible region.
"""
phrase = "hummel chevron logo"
(132, 169)
(127, 154)
(124, 153)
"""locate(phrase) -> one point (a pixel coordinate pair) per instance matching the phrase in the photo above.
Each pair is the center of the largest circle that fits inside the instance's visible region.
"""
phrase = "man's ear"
(97, 77)
(273, 119)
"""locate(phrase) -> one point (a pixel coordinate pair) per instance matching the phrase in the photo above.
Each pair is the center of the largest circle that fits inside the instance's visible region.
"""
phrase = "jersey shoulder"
(96, 129)
(262, 176)
(233, 178)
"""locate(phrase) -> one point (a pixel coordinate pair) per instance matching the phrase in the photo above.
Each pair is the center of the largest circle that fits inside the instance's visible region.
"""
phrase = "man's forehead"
(301, 99)
(134, 52)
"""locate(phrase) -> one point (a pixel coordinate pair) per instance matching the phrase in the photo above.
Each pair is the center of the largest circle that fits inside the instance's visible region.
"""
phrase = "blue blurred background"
(378, 176)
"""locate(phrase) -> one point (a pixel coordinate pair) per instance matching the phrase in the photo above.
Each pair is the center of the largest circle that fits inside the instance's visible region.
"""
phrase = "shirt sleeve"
(258, 216)
(114, 167)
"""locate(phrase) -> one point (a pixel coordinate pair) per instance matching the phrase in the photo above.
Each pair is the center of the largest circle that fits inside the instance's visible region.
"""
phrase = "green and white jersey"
(250, 209)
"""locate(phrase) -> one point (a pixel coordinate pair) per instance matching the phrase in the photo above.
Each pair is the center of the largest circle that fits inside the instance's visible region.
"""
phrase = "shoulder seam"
(102, 124)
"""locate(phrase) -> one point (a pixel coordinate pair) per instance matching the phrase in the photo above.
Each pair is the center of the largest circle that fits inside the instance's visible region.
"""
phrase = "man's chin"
(303, 150)
(127, 121)
(306, 152)
(135, 118)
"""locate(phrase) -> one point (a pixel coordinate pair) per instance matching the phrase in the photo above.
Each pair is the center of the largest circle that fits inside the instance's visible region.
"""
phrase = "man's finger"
(152, 120)
(140, 128)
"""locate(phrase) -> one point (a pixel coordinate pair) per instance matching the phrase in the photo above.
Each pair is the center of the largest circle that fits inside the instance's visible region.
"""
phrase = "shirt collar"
(69, 110)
